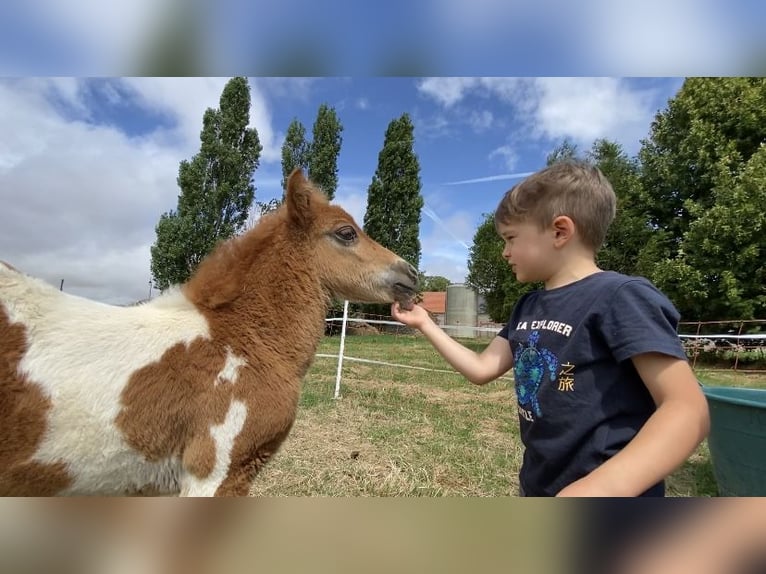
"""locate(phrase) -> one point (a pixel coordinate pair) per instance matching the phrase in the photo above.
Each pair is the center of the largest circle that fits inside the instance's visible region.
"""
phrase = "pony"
(192, 392)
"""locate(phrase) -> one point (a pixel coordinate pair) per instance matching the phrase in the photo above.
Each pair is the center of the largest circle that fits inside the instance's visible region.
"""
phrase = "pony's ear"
(298, 197)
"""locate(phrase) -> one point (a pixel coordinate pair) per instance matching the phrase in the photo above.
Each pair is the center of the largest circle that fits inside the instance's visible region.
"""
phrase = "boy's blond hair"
(572, 188)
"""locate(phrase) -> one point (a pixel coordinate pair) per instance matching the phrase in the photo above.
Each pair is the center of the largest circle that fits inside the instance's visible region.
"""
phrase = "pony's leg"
(207, 460)
(241, 475)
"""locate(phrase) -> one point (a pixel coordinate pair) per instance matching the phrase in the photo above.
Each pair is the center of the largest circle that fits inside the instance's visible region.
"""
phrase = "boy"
(608, 405)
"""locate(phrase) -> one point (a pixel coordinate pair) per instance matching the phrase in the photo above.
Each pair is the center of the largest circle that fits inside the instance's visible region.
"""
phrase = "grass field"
(406, 432)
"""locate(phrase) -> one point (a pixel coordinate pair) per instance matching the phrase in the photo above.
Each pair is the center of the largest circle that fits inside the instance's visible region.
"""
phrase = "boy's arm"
(479, 368)
(671, 434)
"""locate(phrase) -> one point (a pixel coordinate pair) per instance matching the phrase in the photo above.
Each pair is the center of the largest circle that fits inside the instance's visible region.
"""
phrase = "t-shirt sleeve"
(640, 319)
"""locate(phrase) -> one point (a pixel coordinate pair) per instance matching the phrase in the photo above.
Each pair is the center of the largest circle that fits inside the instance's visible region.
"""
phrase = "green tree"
(566, 150)
(323, 159)
(394, 201)
(719, 271)
(295, 151)
(217, 189)
(632, 245)
(711, 127)
(699, 167)
(434, 283)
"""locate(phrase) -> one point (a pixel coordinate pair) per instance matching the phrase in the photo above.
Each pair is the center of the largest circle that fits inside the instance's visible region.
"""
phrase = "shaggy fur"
(194, 391)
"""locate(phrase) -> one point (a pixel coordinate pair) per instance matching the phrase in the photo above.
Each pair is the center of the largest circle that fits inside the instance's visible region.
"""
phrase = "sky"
(90, 144)
(87, 166)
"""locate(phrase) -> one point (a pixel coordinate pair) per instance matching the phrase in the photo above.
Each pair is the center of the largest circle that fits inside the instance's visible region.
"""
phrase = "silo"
(461, 311)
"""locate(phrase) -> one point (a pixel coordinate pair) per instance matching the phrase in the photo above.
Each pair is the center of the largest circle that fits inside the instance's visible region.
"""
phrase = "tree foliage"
(710, 128)
(631, 244)
(394, 201)
(702, 174)
(296, 150)
(324, 150)
(719, 270)
(433, 283)
(217, 190)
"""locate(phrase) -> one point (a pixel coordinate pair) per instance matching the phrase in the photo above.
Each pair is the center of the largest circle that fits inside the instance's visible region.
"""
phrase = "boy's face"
(529, 250)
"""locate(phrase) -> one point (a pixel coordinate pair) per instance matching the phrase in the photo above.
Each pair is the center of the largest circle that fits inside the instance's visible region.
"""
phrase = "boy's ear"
(563, 229)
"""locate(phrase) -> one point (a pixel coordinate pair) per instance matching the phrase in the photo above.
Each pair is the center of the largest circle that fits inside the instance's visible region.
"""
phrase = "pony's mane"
(219, 279)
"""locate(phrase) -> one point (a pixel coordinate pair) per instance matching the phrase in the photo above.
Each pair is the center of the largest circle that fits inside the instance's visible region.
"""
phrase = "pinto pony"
(192, 392)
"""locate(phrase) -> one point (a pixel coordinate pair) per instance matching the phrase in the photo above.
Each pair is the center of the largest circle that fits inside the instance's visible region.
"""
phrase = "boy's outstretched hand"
(415, 317)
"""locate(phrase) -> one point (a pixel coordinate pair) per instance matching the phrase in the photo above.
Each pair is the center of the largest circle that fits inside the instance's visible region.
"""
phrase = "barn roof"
(434, 302)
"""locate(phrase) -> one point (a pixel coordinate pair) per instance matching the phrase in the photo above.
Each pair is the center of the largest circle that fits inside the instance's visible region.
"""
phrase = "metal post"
(342, 346)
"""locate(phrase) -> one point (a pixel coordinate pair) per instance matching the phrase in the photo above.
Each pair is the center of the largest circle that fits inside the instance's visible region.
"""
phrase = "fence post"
(736, 355)
(342, 346)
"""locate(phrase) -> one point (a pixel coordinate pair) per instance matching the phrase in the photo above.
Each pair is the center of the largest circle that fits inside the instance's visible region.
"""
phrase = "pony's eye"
(346, 234)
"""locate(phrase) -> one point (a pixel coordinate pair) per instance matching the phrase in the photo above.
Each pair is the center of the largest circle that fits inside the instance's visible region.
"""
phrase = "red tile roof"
(435, 302)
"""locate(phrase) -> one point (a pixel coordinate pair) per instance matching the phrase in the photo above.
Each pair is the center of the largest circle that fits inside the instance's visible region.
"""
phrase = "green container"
(738, 439)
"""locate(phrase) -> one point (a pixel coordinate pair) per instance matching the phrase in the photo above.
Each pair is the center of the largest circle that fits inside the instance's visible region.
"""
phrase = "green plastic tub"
(738, 439)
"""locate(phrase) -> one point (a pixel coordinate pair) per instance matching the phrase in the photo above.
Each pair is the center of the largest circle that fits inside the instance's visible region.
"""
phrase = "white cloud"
(585, 109)
(481, 120)
(186, 99)
(450, 91)
(447, 91)
(363, 103)
(581, 109)
(80, 201)
(434, 126)
(507, 155)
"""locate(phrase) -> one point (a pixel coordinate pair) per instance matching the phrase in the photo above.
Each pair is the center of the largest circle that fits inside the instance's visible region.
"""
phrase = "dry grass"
(402, 432)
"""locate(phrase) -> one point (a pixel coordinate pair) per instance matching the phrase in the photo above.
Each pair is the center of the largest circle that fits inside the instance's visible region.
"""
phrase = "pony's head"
(351, 265)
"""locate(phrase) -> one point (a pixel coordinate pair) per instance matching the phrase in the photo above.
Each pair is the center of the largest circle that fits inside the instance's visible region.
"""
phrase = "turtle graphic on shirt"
(531, 364)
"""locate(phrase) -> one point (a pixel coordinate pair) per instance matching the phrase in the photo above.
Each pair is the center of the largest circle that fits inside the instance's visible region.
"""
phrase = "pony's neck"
(263, 290)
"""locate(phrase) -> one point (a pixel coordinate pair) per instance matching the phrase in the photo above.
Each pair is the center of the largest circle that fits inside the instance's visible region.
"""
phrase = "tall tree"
(323, 160)
(719, 271)
(295, 150)
(217, 189)
(701, 166)
(434, 283)
(566, 150)
(394, 201)
(711, 125)
(632, 245)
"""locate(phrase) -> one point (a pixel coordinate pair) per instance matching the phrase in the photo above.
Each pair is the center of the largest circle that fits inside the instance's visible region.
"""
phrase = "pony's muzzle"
(406, 285)
(408, 276)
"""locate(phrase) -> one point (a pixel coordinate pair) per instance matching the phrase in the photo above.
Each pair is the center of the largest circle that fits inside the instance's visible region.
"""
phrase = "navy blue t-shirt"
(580, 399)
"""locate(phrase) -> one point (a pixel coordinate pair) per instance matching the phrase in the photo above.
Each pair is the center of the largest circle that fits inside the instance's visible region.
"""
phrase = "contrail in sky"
(438, 220)
(500, 177)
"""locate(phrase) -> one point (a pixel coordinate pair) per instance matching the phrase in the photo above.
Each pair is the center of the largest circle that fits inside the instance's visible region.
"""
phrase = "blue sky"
(88, 165)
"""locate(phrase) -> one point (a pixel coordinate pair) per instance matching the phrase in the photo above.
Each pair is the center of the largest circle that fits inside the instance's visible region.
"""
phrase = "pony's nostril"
(409, 270)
